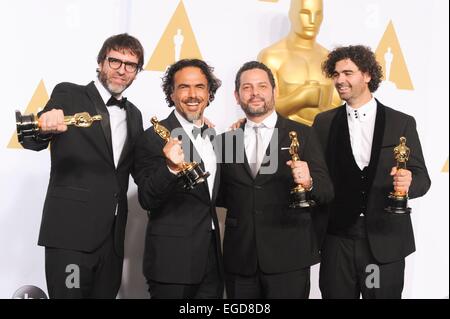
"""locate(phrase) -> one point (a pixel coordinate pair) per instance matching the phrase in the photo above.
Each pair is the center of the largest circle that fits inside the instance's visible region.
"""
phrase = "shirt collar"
(363, 113)
(104, 93)
(188, 126)
(269, 122)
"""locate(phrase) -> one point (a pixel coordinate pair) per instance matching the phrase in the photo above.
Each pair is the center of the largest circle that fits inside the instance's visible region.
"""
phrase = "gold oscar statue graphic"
(398, 201)
(303, 90)
(390, 56)
(299, 195)
(28, 125)
(191, 173)
(177, 42)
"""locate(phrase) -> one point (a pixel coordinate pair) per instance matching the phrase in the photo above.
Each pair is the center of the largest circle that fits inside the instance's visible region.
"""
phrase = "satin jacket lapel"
(281, 138)
(338, 124)
(131, 133)
(245, 165)
(100, 108)
(378, 135)
(216, 185)
(196, 155)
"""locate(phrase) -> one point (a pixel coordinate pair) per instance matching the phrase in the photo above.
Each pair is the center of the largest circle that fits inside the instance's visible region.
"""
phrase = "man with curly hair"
(182, 256)
(365, 247)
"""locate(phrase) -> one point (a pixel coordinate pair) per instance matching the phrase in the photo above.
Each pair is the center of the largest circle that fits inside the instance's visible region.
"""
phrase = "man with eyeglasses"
(85, 211)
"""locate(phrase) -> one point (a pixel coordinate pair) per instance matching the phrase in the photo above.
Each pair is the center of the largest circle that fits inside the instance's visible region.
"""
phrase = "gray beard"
(193, 117)
(112, 90)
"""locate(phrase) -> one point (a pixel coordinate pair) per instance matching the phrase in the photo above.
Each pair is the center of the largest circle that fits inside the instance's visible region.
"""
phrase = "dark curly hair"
(169, 78)
(362, 56)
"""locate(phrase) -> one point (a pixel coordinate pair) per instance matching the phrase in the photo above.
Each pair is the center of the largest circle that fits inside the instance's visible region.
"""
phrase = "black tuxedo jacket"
(179, 225)
(260, 228)
(391, 237)
(85, 186)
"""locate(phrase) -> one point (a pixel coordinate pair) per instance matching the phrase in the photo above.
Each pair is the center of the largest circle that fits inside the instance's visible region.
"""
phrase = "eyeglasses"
(117, 64)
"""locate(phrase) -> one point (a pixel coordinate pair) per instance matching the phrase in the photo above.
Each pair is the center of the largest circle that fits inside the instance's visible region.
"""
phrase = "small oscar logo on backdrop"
(390, 56)
(177, 42)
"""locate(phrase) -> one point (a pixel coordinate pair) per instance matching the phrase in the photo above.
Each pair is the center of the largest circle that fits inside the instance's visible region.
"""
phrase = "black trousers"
(349, 270)
(211, 286)
(76, 274)
(289, 285)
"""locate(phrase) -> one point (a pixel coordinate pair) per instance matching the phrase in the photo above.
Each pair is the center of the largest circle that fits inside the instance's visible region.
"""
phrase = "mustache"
(256, 99)
(192, 100)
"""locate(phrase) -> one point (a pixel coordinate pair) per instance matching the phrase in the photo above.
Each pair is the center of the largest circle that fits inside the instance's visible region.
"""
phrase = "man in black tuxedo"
(268, 247)
(365, 247)
(182, 256)
(85, 211)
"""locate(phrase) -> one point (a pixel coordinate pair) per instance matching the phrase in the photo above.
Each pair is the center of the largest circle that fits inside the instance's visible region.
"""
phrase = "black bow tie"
(199, 130)
(120, 103)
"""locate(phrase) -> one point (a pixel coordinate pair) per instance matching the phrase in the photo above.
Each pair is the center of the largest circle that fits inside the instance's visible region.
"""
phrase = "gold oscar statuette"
(191, 173)
(398, 200)
(295, 60)
(299, 196)
(28, 125)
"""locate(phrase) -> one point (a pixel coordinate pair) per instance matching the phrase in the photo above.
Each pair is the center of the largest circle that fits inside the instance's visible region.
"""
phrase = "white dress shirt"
(266, 131)
(361, 124)
(117, 120)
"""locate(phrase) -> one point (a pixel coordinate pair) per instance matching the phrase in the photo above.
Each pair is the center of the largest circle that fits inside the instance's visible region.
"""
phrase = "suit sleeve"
(322, 191)
(420, 179)
(59, 97)
(154, 180)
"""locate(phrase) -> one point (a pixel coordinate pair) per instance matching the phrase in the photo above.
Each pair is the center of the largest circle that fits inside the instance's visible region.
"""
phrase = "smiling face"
(306, 17)
(351, 84)
(190, 93)
(255, 94)
(117, 80)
